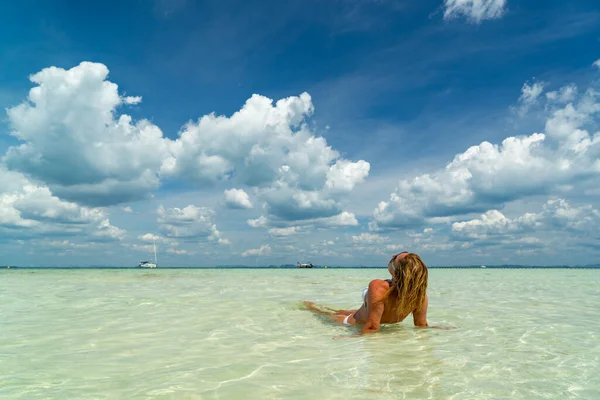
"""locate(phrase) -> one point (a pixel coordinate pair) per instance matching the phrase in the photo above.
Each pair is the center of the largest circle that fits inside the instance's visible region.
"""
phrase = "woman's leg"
(320, 308)
(336, 315)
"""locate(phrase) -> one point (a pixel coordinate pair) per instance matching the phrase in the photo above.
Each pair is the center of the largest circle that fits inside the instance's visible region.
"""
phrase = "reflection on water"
(221, 334)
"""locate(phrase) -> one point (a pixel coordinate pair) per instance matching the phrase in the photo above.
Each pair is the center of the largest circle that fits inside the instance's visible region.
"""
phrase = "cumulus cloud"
(264, 250)
(493, 222)
(271, 148)
(260, 222)
(597, 64)
(556, 215)
(190, 222)
(107, 232)
(287, 203)
(152, 238)
(37, 203)
(344, 175)
(371, 243)
(341, 220)
(34, 210)
(474, 11)
(74, 141)
(237, 198)
(487, 176)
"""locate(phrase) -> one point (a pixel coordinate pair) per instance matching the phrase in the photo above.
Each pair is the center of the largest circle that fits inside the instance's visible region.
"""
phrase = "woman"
(389, 301)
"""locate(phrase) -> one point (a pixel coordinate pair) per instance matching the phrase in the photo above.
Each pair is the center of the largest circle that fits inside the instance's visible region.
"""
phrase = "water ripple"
(225, 334)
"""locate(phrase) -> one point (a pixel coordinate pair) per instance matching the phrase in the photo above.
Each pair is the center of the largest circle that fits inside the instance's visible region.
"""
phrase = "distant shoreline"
(595, 266)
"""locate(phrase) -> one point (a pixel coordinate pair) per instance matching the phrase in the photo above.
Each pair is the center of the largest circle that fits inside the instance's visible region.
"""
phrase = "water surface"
(236, 334)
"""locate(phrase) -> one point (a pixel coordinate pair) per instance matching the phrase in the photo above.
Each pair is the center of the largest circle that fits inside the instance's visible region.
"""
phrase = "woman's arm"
(375, 305)
(420, 316)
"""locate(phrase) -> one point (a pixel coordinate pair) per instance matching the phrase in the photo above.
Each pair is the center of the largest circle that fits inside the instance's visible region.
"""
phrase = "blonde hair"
(409, 283)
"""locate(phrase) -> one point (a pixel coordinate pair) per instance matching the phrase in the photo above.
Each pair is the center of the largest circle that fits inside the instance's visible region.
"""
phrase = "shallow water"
(237, 334)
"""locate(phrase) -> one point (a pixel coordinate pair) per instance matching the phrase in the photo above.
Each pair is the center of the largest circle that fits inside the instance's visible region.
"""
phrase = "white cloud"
(394, 247)
(325, 252)
(287, 203)
(597, 63)
(475, 11)
(65, 244)
(39, 204)
(270, 148)
(288, 231)
(146, 248)
(127, 209)
(556, 215)
(378, 250)
(344, 175)
(152, 238)
(35, 211)
(344, 218)
(210, 149)
(190, 222)
(264, 250)
(74, 142)
(149, 237)
(565, 157)
(368, 238)
(260, 222)
(565, 94)
(493, 222)
(237, 198)
(132, 99)
(529, 97)
(106, 231)
(177, 251)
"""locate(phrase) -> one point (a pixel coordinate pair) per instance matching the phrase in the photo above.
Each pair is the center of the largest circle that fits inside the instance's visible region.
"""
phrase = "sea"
(245, 334)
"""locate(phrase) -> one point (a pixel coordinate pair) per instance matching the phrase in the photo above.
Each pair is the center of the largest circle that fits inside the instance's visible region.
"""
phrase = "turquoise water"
(237, 334)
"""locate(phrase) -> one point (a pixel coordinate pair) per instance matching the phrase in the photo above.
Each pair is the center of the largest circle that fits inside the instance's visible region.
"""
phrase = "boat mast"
(155, 259)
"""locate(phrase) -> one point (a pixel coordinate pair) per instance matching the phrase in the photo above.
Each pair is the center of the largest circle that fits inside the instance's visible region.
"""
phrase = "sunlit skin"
(381, 308)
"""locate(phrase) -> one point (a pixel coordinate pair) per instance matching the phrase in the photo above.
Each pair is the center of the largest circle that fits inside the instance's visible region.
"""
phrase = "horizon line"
(503, 266)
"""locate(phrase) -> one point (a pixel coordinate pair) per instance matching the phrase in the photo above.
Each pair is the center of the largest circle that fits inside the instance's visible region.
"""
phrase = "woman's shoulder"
(378, 286)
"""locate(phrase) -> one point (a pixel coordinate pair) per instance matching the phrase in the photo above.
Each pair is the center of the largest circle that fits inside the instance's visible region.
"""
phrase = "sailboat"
(148, 264)
(304, 265)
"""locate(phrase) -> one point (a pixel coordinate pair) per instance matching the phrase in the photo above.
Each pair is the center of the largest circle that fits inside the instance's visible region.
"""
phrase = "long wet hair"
(409, 283)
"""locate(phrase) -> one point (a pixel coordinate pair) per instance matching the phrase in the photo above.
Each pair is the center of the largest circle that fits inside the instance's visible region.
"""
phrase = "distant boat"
(307, 265)
(483, 266)
(148, 264)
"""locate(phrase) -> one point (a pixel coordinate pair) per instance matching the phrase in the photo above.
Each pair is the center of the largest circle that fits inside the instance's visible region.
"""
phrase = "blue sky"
(337, 132)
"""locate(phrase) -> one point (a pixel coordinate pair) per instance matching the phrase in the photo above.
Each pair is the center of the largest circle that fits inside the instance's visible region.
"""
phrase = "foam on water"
(229, 334)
